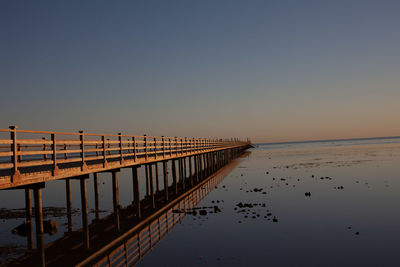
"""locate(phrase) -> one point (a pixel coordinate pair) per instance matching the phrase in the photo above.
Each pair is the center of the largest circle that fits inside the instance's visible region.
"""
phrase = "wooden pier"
(29, 159)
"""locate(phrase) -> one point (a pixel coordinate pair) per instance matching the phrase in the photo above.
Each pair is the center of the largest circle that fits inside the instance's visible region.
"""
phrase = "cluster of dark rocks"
(201, 210)
(245, 208)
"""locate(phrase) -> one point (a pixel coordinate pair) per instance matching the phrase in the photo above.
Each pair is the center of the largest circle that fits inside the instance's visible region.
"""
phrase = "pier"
(29, 159)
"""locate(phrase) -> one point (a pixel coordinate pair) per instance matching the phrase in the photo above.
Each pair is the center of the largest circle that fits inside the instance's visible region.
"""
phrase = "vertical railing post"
(163, 146)
(121, 148)
(16, 173)
(186, 146)
(181, 146)
(103, 138)
(82, 146)
(134, 148)
(54, 147)
(145, 146)
(155, 147)
(65, 154)
(170, 147)
(176, 145)
(44, 148)
(19, 153)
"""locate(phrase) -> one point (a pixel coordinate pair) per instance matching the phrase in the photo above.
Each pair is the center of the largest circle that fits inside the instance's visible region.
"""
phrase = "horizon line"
(328, 140)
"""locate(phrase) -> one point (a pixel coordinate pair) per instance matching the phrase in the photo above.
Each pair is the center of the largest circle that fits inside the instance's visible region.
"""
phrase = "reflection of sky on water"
(312, 231)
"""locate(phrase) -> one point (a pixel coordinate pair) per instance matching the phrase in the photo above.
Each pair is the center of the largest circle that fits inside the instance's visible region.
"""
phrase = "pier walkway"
(28, 157)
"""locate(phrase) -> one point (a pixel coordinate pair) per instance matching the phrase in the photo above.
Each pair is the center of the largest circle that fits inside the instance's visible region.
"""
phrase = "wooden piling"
(175, 183)
(190, 172)
(115, 189)
(165, 174)
(37, 192)
(84, 209)
(156, 174)
(136, 194)
(69, 204)
(96, 195)
(147, 180)
(153, 199)
(28, 216)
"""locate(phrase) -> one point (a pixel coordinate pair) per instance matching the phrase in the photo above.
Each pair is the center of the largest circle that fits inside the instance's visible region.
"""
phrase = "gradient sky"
(268, 70)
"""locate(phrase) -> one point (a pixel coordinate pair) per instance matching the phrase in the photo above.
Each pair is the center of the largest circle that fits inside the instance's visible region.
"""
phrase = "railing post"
(170, 147)
(163, 146)
(155, 147)
(181, 146)
(186, 146)
(82, 139)
(44, 148)
(121, 148)
(103, 138)
(54, 147)
(145, 146)
(16, 174)
(19, 153)
(134, 148)
(176, 145)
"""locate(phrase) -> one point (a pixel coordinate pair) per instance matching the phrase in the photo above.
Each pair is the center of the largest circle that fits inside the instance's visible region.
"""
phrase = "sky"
(269, 70)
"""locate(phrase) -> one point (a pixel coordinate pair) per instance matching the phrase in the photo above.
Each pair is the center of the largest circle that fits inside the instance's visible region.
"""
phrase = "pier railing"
(28, 152)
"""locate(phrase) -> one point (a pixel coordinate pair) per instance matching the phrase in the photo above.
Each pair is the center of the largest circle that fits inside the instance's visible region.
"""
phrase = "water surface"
(354, 226)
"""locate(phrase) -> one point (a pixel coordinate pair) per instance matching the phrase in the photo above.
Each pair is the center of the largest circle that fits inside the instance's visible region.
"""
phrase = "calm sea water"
(354, 226)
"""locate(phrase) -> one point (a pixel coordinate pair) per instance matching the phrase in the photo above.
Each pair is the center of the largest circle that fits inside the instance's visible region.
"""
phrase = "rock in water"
(275, 219)
(216, 209)
(50, 227)
(21, 229)
(203, 212)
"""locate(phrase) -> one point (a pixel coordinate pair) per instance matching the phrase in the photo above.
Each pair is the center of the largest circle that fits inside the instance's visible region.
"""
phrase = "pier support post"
(190, 172)
(185, 177)
(136, 196)
(28, 209)
(84, 208)
(147, 180)
(174, 177)
(196, 168)
(69, 203)
(157, 181)
(153, 199)
(181, 174)
(165, 171)
(202, 166)
(37, 192)
(115, 188)
(96, 195)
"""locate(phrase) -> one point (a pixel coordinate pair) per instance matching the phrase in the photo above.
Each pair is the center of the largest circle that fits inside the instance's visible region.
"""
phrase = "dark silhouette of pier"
(28, 159)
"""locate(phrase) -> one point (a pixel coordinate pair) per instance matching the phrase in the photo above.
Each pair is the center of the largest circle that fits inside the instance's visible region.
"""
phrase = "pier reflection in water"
(106, 235)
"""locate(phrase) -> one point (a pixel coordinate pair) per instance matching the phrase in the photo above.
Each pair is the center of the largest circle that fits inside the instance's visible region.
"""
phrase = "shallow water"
(316, 230)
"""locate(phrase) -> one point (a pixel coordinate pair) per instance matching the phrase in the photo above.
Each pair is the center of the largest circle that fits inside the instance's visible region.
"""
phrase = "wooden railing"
(24, 150)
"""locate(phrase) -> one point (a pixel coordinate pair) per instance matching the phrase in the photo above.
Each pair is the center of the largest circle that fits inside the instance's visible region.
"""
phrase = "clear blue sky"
(269, 70)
